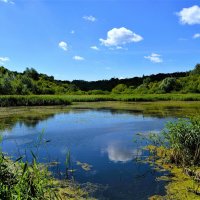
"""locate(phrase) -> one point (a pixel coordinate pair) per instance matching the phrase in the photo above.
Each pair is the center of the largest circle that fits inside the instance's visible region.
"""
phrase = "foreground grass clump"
(22, 181)
(178, 151)
(32, 100)
(183, 138)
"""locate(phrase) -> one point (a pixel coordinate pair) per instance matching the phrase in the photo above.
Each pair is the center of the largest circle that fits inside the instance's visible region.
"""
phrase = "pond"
(102, 138)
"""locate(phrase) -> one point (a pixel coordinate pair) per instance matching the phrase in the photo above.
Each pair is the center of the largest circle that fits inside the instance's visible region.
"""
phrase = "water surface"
(102, 138)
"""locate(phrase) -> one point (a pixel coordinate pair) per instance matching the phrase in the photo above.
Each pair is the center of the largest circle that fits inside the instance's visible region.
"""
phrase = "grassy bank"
(39, 100)
(177, 150)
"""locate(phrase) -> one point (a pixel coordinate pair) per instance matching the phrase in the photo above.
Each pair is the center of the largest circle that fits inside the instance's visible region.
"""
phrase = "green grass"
(32, 100)
(32, 181)
(45, 100)
(132, 98)
(183, 138)
(159, 97)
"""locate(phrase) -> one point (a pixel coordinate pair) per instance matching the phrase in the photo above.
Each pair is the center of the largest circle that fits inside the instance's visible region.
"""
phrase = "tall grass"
(177, 150)
(44, 100)
(32, 100)
(183, 139)
(180, 141)
(21, 180)
(133, 98)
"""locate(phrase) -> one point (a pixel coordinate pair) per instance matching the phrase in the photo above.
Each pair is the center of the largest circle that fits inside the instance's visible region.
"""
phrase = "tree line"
(32, 82)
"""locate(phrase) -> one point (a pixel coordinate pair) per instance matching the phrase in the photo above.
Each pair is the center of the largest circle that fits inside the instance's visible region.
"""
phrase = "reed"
(45, 100)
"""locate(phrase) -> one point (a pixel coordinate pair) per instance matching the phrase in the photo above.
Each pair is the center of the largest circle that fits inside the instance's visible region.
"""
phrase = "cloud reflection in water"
(122, 152)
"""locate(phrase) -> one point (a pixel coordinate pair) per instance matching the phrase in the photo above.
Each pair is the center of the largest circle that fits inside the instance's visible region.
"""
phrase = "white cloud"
(190, 15)
(197, 35)
(94, 48)
(4, 59)
(7, 1)
(63, 45)
(72, 32)
(89, 18)
(155, 58)
(78, 58)
(120, 36)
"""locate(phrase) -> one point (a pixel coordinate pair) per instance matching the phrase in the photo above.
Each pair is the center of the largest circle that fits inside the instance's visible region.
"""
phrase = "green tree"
(119, 88)
(3, 71)
(31, 73)
(17, 86)
(196, 70)
(147, 80)
(168, 84)
(6, 86)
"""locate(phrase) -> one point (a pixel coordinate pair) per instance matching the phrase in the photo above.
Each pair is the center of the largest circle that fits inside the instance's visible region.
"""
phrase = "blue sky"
(99, 39)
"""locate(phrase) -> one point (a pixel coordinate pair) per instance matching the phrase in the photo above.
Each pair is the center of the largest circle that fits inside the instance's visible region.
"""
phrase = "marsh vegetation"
(176, 150)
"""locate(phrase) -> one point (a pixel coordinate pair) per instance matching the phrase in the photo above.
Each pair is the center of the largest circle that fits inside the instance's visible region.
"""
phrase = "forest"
(31, 82)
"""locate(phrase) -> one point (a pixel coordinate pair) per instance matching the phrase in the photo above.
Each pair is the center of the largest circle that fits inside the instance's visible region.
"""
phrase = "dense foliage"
(32, 82)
